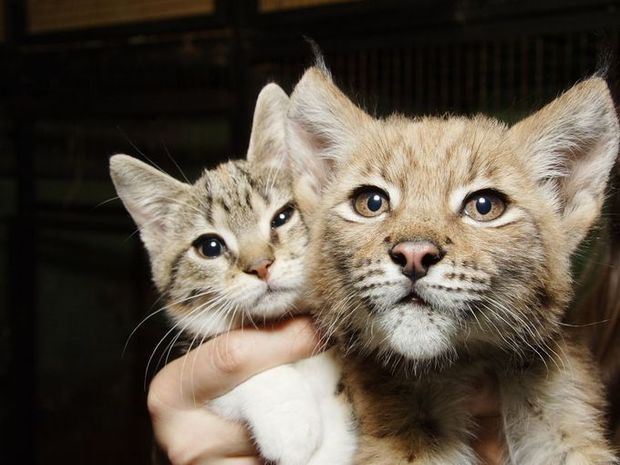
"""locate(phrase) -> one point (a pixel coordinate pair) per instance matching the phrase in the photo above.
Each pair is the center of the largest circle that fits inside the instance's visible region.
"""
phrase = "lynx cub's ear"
(322, 123)
(571, 146)
(267, 141)
(148, 195)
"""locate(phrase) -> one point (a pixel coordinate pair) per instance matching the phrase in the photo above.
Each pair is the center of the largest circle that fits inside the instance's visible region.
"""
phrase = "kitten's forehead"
(238, 193)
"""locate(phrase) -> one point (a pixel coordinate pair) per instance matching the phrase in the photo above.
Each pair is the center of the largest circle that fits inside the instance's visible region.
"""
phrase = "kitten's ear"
(267, 141)
(571, 146)
(321, 127)
(148, 195)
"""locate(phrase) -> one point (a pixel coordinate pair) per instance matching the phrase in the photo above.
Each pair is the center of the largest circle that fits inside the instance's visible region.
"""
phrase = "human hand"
(485, 406)
(190, 434)
(187, 431)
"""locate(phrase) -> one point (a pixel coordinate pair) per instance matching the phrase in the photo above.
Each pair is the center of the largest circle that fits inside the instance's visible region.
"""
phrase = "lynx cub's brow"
(442, 249)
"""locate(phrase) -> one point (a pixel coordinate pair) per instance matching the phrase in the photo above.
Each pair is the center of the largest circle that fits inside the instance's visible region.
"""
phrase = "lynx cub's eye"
(485, 205)
(209, 246)
(283, 216)
(370, 201)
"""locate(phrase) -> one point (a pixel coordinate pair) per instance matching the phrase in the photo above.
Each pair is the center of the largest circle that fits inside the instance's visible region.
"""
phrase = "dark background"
(81, 80)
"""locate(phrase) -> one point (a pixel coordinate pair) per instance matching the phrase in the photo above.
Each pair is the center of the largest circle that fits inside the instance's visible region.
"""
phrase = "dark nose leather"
(415, 257)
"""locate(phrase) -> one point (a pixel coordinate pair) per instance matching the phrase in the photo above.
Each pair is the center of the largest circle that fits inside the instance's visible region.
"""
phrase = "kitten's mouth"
(413, 298)
(271, 289)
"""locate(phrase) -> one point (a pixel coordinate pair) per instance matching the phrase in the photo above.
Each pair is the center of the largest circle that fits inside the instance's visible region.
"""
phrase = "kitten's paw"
(289, 434)
(598, 457)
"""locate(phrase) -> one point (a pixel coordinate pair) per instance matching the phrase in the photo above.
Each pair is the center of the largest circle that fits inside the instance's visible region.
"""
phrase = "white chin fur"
(418, 333)
(274, 304)
(210, 323)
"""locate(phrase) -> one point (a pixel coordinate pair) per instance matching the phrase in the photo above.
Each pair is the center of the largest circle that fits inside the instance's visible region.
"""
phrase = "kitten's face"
(443, 235)
(237, 250)
(228, 250)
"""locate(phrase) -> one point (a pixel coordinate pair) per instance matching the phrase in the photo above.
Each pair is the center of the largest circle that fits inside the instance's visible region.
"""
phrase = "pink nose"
(260, 268)
(415, 257)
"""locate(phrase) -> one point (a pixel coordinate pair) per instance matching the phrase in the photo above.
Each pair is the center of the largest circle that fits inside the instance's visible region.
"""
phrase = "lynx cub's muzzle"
(415, 257)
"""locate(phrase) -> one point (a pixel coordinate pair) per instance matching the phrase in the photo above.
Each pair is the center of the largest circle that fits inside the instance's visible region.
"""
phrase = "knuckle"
(179, 455)
(184, 453)
(155, 402)
(229, 354)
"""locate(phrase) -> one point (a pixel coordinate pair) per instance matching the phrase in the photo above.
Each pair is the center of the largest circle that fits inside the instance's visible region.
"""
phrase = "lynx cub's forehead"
(432, 157)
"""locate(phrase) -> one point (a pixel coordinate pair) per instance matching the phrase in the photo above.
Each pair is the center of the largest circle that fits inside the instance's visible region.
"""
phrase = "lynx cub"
(441, 250)
(231, 249)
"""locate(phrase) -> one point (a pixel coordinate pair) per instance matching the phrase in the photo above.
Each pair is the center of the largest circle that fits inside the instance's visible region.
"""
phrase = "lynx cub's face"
(438, 235)
(230, 248)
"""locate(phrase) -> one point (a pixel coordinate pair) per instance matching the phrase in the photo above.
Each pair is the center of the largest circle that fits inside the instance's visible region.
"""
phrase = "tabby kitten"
(230, 250)
(442, 251)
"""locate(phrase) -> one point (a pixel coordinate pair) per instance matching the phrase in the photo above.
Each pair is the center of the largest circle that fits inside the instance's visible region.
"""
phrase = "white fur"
(292, 410)
(293, 413)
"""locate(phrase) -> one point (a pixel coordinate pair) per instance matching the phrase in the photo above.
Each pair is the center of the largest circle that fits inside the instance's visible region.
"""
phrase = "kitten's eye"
(209, 246)
(485, 205)
(370, 201)
(283, 216)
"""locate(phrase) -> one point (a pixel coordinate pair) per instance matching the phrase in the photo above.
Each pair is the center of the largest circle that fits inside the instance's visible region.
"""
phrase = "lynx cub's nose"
(415, 257)
(260, 268)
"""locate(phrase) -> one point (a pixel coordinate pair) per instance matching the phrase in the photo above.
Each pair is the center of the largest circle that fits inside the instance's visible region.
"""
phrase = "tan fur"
(496, 298)
(235, 202)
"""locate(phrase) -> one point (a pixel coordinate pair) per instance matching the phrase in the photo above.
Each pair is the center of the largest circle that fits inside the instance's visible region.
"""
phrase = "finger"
(488, 443)
(484, 400)
(222, 363)
(190, 436)
(233, 461)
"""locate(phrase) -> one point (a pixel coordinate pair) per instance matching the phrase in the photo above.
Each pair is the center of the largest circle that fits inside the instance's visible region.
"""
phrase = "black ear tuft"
(319, 59)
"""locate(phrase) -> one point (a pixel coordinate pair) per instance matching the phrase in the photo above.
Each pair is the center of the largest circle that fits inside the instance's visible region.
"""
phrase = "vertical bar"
(431, 79)
(397, 76)
(239, 13)
(444, 71)
(568, 60)
(408, 79)
(22, 291)
(510, 73)
(457, 79)
(22, 266)
(363, 74)
(497, 75)
(525, 98)
(470, 78)
(539, 68)
(420, 85)
(482, 72)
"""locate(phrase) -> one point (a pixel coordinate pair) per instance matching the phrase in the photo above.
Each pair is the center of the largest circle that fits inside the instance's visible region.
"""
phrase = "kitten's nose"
(260, 268)
(416, 257)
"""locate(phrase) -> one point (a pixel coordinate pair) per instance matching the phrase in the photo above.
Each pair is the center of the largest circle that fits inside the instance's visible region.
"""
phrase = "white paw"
(594, 457)
(289, 433)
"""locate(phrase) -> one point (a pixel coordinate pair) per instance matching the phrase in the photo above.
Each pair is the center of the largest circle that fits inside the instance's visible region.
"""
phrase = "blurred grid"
(57, 15)
(279, 5)
(74, 276)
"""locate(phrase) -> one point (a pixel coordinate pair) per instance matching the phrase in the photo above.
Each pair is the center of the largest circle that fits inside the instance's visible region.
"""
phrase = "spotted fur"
(494, 296)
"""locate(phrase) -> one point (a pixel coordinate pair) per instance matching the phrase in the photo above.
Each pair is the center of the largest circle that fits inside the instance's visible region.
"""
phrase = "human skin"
(188, 433)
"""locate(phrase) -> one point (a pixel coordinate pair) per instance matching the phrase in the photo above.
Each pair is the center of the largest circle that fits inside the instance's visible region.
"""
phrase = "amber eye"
(209, 245)
(370, 201)
(485, 205)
